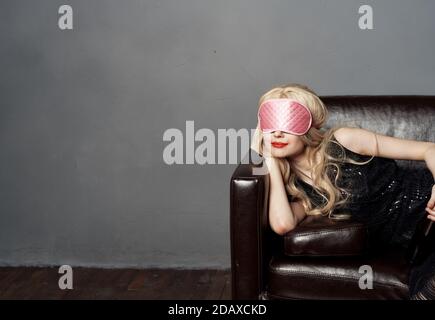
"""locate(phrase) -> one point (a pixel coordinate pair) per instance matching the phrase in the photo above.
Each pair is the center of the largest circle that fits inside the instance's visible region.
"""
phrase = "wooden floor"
(89, 283)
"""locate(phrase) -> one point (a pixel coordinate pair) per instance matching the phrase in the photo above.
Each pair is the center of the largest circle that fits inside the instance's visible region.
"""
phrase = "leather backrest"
(407, 117)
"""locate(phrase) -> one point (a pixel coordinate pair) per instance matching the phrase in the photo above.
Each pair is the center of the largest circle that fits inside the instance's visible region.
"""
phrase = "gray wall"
(82, 112)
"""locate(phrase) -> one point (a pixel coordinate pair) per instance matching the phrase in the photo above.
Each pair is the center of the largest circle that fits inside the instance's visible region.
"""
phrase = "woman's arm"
(366, 142)
(429, 157)
(430, 161)
(369, 143)
(282, 218)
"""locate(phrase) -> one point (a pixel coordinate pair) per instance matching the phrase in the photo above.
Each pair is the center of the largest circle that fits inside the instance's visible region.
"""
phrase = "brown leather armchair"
(321, 258)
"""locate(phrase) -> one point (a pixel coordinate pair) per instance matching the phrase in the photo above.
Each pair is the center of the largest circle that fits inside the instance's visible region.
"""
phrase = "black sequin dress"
(390, 199)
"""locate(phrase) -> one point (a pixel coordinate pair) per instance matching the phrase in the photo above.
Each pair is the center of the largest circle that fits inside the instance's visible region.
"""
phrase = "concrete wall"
(83, 112)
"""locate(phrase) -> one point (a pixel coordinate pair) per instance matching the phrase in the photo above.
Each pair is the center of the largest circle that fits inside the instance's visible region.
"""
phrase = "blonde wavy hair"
(317, 141)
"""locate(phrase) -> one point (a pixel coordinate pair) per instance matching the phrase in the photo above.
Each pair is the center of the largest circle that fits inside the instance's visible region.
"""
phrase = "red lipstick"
(279, 144)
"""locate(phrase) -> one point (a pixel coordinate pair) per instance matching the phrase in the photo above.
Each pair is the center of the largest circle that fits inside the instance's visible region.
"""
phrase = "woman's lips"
(279, 144)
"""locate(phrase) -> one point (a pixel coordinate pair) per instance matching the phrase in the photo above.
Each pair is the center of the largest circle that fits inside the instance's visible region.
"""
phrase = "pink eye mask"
(284, 115)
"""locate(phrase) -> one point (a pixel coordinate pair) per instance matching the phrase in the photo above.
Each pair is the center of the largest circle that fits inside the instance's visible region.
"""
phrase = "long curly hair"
(317, 140)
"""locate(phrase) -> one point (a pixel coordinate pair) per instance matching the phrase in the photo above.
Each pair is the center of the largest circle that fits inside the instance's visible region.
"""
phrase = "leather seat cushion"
(339, 278)
(321, 236)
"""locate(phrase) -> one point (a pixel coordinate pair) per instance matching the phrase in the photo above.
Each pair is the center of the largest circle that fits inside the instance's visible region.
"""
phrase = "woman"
(345, 173)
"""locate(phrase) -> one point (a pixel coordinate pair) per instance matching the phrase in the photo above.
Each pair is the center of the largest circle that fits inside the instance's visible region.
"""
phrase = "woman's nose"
(277, 133)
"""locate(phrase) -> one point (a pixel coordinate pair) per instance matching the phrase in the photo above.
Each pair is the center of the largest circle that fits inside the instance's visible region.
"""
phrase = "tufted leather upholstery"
(321, 259)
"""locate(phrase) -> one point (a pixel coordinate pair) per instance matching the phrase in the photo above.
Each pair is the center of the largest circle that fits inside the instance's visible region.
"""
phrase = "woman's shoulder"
(344, 137)
(339, 143)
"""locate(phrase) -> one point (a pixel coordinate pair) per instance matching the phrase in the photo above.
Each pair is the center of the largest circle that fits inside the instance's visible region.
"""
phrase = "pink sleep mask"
(284, 115)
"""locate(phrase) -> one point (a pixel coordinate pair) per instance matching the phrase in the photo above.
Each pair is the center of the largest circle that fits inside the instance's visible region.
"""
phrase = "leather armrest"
(321, 236)
(250, 233)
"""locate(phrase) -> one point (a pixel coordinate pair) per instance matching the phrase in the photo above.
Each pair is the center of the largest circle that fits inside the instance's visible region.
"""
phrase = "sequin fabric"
(390, 199)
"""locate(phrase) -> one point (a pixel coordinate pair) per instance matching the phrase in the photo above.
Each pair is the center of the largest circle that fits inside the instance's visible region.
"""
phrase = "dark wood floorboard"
(91, 283)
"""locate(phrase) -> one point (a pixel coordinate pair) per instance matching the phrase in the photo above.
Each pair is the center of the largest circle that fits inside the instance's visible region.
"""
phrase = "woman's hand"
(271, 162)
(281, 217)
(267, 149)
(431, 205)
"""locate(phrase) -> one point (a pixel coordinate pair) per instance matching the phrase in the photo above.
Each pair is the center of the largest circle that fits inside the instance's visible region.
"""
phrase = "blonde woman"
(344, 173)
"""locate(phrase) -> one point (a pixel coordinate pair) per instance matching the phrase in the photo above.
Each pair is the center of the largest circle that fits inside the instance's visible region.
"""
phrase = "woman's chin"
(280, 154)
